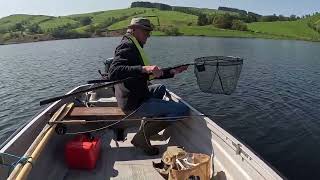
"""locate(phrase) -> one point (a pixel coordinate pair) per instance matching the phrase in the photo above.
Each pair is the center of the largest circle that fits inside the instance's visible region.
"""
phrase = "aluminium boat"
(118, 158)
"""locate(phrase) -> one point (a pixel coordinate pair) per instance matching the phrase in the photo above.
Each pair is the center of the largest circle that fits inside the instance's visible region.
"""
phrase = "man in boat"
(136, 96)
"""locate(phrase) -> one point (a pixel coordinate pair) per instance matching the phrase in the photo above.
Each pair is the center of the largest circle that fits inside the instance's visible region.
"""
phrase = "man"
(135, 96)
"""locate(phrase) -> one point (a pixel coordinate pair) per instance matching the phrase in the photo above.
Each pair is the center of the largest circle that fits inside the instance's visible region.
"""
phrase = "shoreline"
(184, 35)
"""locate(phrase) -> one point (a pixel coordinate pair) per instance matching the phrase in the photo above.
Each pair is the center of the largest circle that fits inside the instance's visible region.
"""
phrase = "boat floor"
(120, 160)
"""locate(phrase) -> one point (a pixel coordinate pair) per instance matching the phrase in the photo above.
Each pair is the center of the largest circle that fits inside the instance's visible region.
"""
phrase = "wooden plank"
(96, 113)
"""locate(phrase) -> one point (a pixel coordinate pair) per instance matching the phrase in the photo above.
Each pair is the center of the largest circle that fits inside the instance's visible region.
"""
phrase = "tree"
(34, 29)
(269, 18)
(317, 28)
(171, 31)
(91, 29)
(18, 27)
(253, 17)
(223, 21)
(293, 17)
(151, 5)
(210, 18)
(3, 30)
(239, 25)
(202, 20)
(85, 20)
(232, 10)
(64, 33)
(282, 18)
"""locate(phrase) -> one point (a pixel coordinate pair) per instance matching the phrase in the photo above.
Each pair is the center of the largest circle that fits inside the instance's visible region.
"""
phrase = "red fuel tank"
(82, 152)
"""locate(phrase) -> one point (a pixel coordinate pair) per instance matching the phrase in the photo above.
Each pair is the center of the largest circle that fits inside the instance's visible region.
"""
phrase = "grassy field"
(212, 11)
(314, 19)
(58, 22)
(103, 16)
(10, 21)
(288, 29)
(166, 18)
(186, 24)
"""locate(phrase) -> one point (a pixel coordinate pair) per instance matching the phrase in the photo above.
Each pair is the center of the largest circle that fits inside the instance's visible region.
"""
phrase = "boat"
(119, 159)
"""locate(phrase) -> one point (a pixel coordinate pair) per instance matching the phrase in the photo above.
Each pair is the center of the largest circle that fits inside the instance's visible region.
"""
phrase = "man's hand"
(179, 69)
(154, 70)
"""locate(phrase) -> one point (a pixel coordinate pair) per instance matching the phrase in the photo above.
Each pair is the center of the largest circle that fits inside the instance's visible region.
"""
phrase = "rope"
(21, 160)
(168, 119)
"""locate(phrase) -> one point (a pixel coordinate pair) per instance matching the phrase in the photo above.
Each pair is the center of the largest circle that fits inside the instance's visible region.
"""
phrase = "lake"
(275, 109)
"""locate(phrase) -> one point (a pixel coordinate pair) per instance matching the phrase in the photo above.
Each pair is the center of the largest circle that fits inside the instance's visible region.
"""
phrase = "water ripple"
(275, 109)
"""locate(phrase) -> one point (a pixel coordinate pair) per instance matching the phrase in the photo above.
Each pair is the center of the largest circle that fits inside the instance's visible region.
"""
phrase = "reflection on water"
(275, 109)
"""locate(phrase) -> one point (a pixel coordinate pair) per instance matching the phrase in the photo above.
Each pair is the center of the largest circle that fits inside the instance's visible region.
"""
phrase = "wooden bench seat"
(96, 113)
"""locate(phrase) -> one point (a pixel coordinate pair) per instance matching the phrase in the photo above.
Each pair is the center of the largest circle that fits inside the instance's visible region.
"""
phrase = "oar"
(21, 171)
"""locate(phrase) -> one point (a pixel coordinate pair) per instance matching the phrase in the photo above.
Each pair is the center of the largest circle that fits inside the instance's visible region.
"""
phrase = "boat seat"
(96, 113)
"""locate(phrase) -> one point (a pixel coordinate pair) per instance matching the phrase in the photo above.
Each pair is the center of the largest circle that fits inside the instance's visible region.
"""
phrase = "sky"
(67, 7)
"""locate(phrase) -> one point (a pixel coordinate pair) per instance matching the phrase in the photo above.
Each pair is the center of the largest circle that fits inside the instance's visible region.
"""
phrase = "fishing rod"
(108, 83)
(111, 83)
(164, 69)
(200, 66)
(80, 121)
(215, 75)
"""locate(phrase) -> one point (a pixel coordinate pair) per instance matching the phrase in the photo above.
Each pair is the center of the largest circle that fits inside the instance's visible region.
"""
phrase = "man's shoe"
(148, 129)
(141, 143)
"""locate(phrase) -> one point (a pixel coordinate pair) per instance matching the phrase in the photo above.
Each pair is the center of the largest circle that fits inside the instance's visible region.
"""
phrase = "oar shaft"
(23, 174)
(38, 144)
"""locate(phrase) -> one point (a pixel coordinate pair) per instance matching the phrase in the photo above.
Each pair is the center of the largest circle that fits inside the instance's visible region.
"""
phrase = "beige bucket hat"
(140, 22)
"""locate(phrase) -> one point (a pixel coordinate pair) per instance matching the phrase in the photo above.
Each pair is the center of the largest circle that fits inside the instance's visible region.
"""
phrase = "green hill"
(10, 21)
(178, 21)
(166, 18)
(300, 29)
(58, 22)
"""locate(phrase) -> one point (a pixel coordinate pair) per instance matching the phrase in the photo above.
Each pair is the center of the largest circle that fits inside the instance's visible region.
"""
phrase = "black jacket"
(128, 63)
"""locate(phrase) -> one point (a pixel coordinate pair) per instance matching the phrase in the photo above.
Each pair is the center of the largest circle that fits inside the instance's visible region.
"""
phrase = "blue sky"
(67, 7)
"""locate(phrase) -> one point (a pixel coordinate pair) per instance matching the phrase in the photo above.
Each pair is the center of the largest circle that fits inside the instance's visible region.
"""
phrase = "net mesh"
(218, 74)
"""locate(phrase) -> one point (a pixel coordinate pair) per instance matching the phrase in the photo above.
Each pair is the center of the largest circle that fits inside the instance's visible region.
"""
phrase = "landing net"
(218, 74)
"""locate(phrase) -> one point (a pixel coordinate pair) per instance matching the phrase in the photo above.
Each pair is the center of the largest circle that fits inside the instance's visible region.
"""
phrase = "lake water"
(275, 109)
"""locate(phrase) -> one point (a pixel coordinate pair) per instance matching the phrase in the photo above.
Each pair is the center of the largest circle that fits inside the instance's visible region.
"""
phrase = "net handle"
(204, 60)
(177, 66)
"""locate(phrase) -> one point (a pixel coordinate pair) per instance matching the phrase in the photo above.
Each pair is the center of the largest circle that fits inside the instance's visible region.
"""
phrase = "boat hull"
(230, 158)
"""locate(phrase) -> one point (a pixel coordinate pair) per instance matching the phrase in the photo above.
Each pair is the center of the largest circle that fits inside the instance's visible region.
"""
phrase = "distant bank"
(168, 21)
